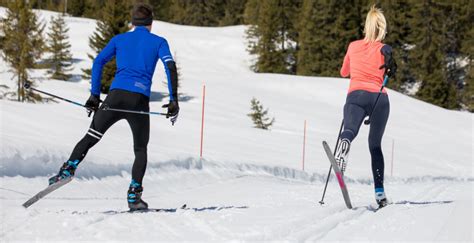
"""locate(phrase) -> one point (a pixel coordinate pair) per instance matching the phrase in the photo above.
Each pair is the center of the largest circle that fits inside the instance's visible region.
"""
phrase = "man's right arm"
(104, 56)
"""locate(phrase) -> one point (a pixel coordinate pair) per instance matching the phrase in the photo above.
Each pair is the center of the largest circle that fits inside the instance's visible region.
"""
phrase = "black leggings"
(103, 120)
(358, 105)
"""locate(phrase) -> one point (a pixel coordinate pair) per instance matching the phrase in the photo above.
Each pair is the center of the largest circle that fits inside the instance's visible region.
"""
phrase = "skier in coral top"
(367, 61)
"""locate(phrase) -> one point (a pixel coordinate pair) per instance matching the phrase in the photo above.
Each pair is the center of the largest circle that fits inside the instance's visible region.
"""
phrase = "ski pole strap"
(107, 108)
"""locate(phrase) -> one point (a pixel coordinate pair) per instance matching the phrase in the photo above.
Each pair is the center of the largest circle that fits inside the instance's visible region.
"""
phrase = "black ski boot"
(134, 197)
(67, 170)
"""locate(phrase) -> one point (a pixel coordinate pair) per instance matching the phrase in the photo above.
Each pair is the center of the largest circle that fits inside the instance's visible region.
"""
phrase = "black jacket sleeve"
(173, 72)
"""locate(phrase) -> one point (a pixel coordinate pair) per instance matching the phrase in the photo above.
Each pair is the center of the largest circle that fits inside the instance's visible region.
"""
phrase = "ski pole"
(27, 85)
(107, 108)
(367, 121)
(330, 168)
(104, 108)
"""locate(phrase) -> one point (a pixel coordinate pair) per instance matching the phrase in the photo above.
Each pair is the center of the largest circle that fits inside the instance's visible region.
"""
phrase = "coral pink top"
(361, 63)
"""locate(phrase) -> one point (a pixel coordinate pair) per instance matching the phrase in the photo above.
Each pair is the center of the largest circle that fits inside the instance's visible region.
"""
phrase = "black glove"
(173, 111)
(390, 67)
(92, 104)
(389, 62)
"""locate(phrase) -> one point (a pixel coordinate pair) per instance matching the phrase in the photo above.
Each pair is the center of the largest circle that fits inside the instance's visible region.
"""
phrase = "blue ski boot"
(66, 171)
(134, 197)
(380, 197)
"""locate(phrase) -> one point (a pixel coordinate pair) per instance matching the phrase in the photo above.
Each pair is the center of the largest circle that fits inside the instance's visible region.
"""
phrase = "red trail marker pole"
(304, 142)
(202, 120)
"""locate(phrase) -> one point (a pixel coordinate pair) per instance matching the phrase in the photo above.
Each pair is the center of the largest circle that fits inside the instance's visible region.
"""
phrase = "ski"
(148, 210)
(46, 191)
(166, 210)
(377, 208)
(339, 175)
(174, 210)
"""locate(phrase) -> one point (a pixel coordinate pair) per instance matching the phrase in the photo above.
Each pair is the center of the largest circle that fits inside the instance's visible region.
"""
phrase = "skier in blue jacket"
(136, 53)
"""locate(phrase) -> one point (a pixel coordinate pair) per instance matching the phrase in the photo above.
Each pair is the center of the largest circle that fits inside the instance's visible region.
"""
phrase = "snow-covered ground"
(250, 185)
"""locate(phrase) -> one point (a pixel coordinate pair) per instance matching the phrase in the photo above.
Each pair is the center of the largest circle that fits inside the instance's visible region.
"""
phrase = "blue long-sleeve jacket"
(137, 53)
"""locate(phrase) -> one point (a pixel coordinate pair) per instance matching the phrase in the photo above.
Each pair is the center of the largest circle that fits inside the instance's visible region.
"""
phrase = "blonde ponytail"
(375, 25)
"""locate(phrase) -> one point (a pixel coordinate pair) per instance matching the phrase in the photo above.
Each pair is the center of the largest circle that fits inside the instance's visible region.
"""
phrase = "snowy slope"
(250, 185)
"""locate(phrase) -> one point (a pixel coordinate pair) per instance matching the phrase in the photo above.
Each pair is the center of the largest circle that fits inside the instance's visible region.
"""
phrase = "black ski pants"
(358, 105)
(103, 120)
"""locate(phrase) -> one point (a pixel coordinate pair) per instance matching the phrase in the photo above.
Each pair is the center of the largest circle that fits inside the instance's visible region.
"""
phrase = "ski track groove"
(315, 228)
(352, 215)
(16, 226)
(451, 210)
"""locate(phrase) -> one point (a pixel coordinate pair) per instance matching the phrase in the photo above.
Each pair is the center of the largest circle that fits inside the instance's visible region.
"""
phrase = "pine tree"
(23, 44)
(429, 58)
(326, 29)
(455, 30)
(197, 12)
(452, 43)
(399, 17)
(289, 33)
(314, 28)
(347, 27)
(251, 12)
(93, 8)
(233, 12)
(54, 5)
(259, 115)
(273, 37)
(77, 7)
(58, 45)
(270, 58)
(466, 92)
(115, 20)
(161, 9)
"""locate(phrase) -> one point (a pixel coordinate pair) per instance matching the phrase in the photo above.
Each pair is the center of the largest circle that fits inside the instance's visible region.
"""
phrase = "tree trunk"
(19, 87)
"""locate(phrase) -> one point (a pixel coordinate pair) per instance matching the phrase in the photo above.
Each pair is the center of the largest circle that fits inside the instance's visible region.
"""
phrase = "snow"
(250, 185)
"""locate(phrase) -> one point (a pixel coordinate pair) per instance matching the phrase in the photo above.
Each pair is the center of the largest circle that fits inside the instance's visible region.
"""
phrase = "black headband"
(142, 21)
